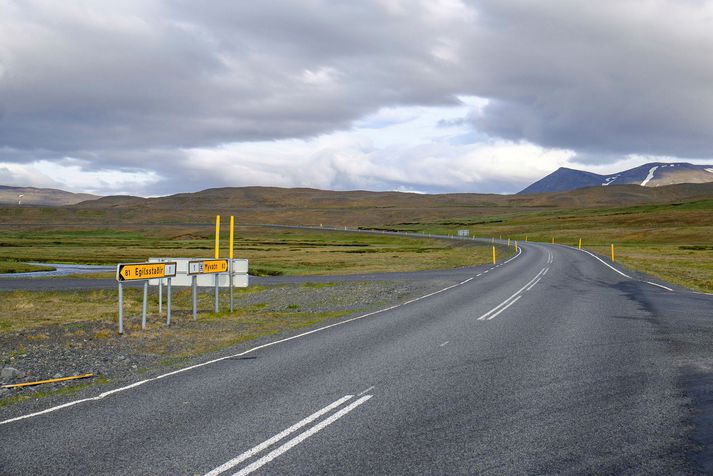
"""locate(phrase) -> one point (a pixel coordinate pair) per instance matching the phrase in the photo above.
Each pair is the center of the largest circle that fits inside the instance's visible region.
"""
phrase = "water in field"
(61, 270)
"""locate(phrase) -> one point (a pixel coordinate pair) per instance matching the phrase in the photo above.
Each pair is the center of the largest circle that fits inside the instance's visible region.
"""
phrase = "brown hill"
(261, 205)
(40, 196)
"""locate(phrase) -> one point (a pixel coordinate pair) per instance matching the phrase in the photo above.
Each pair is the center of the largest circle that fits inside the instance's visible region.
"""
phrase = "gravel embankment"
(94, 346)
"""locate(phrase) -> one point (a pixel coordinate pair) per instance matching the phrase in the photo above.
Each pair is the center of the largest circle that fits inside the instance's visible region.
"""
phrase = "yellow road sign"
(208, 266)
(140, 271)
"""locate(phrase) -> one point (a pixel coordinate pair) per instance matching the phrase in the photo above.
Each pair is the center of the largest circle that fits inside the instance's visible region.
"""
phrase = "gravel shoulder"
(267, 313)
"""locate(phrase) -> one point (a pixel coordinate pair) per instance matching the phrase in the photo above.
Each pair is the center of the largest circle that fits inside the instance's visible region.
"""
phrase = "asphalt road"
(551, 363)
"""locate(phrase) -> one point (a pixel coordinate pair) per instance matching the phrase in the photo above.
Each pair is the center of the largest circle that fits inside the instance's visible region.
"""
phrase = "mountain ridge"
(652, 174)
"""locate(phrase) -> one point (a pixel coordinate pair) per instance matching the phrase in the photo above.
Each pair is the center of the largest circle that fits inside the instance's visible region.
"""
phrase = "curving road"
(552, 363)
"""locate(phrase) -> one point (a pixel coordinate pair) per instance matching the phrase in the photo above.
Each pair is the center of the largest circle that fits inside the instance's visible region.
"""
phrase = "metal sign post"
(168, 302)
(141, 272)
(160, 296)
(217, 295)
(194, 295)
(143, 313)
(121, 308)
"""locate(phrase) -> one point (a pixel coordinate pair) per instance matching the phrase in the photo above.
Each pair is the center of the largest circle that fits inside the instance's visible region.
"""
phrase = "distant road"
(551, 363)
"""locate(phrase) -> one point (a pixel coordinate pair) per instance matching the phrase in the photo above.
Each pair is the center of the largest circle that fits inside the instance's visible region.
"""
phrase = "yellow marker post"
(525, 238)
(553, 240)
(508, 242)
(217, 236)
(580, 244)
(516, 248)
(232, 235)
(493, 255)
(612, 251)
(230, 268)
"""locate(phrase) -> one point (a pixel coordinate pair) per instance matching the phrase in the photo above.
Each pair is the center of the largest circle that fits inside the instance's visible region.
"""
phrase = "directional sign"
(139, 271)
(208, 266)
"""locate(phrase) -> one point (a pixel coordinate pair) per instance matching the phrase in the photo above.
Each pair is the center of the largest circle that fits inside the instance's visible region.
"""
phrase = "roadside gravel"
(95, 347)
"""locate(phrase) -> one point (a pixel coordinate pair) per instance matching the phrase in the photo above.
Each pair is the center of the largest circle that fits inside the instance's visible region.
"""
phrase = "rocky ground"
(95, 347)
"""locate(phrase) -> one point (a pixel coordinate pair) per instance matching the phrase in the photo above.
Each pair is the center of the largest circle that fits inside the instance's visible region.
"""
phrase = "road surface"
(551, 363)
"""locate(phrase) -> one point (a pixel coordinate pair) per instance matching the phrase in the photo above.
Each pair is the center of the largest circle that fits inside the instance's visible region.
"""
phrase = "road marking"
(233, 356)
(533, 284)
(363, 392)
(503, 309)
(546, 270)
(444, 344)
(658, 285)
(301, 437)
(269, 442)
(514, 296)
(607, 264)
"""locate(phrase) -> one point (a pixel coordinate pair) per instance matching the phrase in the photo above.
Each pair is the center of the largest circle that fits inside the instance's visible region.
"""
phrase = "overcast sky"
(147, 97)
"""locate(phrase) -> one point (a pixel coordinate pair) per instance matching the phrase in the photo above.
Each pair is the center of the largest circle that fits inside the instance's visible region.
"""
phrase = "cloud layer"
(151, 97)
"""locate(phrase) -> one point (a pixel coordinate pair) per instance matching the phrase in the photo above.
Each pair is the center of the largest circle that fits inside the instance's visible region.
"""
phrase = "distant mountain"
(41, 196)
(654, 174)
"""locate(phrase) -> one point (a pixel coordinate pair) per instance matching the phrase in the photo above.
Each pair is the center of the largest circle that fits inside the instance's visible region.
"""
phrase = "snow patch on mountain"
(649, 176)
(609, 180)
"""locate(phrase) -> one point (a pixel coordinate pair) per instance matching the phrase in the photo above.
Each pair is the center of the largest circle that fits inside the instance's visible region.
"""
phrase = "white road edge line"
(606, 264)
(444, 344)
(503, 309)
(240, 354)
(301, 437)
(659, 285)
(271, 441)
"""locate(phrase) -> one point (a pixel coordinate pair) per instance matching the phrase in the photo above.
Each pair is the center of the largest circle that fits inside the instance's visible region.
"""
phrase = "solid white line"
(363, 392)
(658, 285)
(607, 264)
(203, 364)
(533, 284)
(546, 270)
(445, 343)
(503, 309)
(301, 437)
(269, 442)
(484, 316)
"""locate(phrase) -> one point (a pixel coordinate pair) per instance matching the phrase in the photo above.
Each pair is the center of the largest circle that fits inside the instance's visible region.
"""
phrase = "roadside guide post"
(142, 272)
(230, 263)
(217, 255)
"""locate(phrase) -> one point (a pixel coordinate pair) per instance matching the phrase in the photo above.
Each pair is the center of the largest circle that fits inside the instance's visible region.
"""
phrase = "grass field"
(671, 241)
(270, 251)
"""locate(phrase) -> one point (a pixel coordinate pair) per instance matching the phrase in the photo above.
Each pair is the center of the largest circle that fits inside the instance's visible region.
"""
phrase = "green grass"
(670, 241)
(270, 251)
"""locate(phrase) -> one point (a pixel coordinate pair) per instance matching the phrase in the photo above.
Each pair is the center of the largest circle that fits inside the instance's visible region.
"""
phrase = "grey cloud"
(130, 85)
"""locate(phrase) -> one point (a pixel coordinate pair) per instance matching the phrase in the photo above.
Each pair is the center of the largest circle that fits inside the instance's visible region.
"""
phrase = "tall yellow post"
(525, 238)
(232, 235)
(553, 240)
(217, 236)
(612, 251)
(493, 255)
(516, 248)
(508, 242)
(580, 244)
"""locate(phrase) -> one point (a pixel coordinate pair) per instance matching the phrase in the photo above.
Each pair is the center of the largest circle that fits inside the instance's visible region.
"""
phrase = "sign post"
(213, 266)
(142, 272)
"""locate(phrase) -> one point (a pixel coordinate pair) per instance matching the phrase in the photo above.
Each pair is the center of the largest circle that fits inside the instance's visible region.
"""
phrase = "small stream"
(61, 270)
